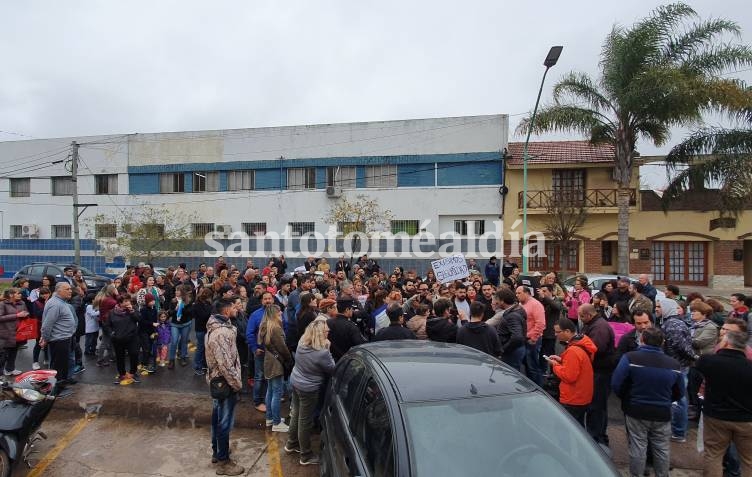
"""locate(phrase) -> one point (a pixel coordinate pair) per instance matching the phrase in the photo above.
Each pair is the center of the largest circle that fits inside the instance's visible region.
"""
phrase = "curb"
(160, 407)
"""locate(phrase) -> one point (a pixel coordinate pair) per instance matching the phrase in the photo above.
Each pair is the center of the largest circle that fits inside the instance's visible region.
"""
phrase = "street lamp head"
(553, 56)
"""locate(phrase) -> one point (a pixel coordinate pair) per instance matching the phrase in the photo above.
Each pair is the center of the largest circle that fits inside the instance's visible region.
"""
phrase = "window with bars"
(205, 181)
(61, 231)
(201, 229)
(345, 228)
(62, 185)
(410, 227)
(384, 175)
(20, 187)
(555, 259)
(341, 176)
(171, 183)
(300, 178)
(16, 231)
(298, 229)
(254, 228)
(679, 262)
(461, 226)
(105, 231)
(607, 253)
(241, 180)
(106, 183)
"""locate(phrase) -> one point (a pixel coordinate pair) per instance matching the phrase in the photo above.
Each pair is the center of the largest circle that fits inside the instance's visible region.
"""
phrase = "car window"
(54, 271)
(35, 271)
(24, 271)
(373, 432)
(348, 384)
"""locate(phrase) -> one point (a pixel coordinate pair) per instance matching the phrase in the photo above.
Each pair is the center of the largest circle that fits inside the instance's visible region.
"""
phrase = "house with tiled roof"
(690, 244)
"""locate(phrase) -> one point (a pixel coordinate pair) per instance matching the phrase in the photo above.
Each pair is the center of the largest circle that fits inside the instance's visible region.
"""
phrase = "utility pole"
(74, 179)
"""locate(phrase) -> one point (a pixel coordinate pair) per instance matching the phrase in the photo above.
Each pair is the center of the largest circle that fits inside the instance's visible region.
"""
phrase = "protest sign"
(450, 268)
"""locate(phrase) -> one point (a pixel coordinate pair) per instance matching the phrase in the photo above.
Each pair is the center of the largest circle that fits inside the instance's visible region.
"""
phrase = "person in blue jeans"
(180, 326)
(276, 358)
(257, 351)
(201, 313)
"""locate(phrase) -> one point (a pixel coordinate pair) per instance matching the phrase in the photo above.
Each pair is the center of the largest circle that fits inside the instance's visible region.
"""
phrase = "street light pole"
(551, 59)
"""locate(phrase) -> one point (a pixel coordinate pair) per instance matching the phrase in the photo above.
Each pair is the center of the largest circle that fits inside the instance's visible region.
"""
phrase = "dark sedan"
(421, 408)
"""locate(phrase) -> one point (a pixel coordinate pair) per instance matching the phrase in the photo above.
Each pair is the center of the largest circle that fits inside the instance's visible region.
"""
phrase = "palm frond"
(579, 87)
(697, 38)
(722, 142)
(564, 118)
(656, 131)
(718, 59)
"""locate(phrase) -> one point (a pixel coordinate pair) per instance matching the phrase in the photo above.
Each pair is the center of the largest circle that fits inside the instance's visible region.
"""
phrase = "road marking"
(275, 463)
(64, 442)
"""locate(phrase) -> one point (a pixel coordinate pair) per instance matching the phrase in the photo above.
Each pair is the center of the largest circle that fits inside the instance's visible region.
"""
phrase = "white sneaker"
(35, 366)
(269, 423)
(16, 372)
(6, 372)
(281, 427)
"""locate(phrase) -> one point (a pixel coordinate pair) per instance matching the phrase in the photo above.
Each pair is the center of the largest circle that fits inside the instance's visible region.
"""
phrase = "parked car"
(596, 282)
(37, 270)
(416, 408)
(158, 271)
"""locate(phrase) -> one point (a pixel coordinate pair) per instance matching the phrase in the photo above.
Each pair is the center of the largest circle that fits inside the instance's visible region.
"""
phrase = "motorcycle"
(24, 404)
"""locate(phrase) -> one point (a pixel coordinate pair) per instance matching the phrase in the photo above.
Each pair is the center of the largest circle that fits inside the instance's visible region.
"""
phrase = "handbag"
(219, 388)
(27, 329)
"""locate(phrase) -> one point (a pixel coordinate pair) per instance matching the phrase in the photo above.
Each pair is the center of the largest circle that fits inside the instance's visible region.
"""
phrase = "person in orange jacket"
(574, 368)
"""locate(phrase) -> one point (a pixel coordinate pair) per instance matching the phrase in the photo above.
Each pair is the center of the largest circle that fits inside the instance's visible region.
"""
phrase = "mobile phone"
(546, 357)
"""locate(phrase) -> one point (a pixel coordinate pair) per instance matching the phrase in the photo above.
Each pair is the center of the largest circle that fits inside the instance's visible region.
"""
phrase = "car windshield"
(85, 271)
(513, 435)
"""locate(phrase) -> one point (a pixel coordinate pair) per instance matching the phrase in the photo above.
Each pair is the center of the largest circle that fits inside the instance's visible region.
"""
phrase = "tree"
(661, 72)
(564, 219)
(358, 216)
(148, 232)
(721, 157)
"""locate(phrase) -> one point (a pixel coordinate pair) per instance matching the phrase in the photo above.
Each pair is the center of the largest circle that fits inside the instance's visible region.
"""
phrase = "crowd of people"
(668, 359)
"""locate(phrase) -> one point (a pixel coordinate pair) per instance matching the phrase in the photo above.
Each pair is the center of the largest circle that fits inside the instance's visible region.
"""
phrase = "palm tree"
(721, 157)
(661, 72)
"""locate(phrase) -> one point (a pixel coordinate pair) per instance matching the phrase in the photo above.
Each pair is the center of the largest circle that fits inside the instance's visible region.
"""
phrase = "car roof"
(430, 371)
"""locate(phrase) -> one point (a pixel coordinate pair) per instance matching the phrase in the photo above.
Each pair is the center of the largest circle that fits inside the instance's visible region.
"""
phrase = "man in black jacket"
(728, 403)
(511, 325)
(630, 341)
(343, 333)
(395, 330)
(442, 328)
(621, 293)
(477, 334)
(554, 309)
(599, 331)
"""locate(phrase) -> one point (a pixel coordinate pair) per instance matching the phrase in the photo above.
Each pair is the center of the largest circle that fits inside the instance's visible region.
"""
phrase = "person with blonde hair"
(276, 356)
(313, 364)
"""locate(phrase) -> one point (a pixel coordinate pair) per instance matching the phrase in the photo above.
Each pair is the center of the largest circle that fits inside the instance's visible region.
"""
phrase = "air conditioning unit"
(333, 191)
(224, 230)
(30, 230)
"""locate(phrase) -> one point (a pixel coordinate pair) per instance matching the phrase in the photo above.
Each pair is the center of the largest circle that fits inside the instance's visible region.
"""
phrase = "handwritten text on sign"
(450, 268)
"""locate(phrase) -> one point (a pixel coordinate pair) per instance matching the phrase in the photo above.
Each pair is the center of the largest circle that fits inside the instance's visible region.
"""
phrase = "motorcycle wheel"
(4, 464)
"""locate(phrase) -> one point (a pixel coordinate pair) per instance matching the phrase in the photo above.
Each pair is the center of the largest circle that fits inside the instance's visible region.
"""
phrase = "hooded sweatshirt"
(222, 352)
(441, 329)
(678, 344)
(478, 335)
(576, 371)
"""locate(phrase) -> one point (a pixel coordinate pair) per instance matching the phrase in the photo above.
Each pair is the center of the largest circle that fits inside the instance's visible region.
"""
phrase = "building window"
(171, 183)
(16, 231)
(460, 227)
(241, 180)
(200, 230)
(607, 253)
(410, 227)
(381, 176)
(105, 231)
(62, 185)
(254, 228)
(205, 181)
(20, 187)
(341, 176)
(106, 183)
(301, 228)
(568, 186)
(556, 259)
(345, 228)
(61, 231)
(299, 178)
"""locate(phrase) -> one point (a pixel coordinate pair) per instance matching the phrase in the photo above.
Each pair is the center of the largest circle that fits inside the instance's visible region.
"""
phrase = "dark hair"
(506, 295)
(441, 305)
(565, 324)
(548, 287)
(223, 304)
(640, 311)
(694, 296)
(625, 316)
(394, 312)
(673, 289)
(653, 337)
(423, 308)
(460, 286)
(716, 305)
(123, 298)
(639, 287)
(738, 322)
(477, 309)
(344, 305)
(306, 299)
(526, 289)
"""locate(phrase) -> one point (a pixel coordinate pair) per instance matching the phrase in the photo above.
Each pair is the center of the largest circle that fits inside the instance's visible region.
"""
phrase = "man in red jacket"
(574, 368)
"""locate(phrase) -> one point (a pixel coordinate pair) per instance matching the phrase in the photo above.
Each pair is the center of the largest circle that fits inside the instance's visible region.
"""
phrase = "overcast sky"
(85, 68)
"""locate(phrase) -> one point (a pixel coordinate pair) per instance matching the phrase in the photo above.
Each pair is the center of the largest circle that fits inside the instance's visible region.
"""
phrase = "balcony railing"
(586, 198)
